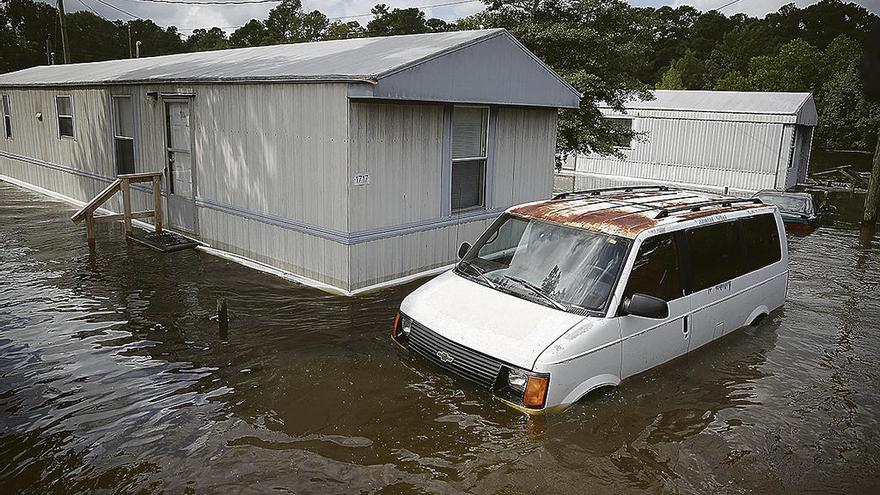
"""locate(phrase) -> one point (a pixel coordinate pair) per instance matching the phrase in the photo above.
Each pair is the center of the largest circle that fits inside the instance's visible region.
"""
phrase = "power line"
(118, 9)
(91, 9)
(728, 4)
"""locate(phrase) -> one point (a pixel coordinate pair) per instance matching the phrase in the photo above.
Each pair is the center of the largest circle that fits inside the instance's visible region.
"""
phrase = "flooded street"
(114, 376)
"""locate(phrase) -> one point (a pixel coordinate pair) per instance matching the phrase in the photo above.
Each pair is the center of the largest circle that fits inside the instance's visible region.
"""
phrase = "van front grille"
(453, 356)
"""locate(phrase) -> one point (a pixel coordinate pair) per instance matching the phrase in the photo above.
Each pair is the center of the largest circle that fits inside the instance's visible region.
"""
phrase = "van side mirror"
(463, 249)
(646, 306)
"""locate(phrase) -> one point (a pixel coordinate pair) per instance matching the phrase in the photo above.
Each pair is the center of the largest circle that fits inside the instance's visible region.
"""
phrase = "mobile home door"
(179, 169)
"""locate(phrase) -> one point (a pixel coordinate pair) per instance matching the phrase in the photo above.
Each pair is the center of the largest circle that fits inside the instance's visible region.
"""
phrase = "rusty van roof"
(627, 212)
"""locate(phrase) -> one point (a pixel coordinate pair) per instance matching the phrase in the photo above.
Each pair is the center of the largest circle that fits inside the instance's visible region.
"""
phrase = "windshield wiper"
(479, 272)
(537, 290)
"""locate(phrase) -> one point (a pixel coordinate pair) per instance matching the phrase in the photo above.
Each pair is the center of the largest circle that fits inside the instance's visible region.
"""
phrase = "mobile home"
(738, 142)
(348, 164)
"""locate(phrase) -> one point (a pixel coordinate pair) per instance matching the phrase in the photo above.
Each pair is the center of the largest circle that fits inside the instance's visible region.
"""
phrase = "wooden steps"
(122, 184)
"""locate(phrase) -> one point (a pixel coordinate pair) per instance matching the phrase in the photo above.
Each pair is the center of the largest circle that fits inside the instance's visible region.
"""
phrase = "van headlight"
(402, 327)
(517, 380)
(524, 388)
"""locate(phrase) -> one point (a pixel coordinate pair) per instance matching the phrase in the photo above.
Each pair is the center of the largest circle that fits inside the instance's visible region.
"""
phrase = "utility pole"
(65, 49)
(130, 53)
(870, 72)
(48, 53)
(872, 201)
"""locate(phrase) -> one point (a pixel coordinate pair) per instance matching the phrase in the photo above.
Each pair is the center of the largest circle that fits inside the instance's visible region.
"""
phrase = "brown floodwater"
(115, 378)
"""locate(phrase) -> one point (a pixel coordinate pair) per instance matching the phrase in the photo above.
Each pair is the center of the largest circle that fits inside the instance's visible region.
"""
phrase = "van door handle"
(685, 327)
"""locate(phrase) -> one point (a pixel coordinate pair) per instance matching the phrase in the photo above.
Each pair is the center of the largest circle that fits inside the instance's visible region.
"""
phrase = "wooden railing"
(122, 184)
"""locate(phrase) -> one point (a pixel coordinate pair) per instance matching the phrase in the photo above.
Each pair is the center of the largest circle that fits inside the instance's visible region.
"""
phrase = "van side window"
(655, 270)
(714, 254)
(760, 241)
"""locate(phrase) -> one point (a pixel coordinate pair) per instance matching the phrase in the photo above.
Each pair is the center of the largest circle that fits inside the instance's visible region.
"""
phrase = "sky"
(228, 17)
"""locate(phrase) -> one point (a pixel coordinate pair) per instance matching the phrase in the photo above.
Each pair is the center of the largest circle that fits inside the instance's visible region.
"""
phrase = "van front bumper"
(473, 365)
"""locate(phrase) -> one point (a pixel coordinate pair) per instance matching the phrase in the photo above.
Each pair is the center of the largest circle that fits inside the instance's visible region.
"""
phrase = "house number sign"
(360, 179)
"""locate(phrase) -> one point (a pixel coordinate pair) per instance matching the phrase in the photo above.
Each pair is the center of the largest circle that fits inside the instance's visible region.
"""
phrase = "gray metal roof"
(367, 60)
(798, 105)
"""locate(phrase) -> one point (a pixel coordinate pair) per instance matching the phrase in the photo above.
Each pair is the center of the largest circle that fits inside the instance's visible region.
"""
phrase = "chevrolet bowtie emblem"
(444, 357)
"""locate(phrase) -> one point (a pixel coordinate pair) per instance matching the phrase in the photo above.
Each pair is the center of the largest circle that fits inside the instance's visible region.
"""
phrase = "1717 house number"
(360, 179)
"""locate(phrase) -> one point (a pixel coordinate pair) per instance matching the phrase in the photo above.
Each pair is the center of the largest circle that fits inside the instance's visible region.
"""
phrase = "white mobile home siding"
(743, 156)
(712, 146)
(78, 168)
(270, 162)
(273, 168)
(401, 146)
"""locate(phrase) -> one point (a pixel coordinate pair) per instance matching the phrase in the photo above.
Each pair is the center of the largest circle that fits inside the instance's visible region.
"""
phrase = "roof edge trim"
(369, 79)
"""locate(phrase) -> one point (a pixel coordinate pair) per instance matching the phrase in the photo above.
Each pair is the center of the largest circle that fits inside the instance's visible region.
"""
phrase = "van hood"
(506, 327)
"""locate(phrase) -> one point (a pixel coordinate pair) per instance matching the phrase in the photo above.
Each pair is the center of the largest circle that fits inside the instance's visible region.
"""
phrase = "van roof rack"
(596, 192)
(664, 212)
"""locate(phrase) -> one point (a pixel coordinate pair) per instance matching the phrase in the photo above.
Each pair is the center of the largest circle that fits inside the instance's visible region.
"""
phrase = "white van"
(560, 297)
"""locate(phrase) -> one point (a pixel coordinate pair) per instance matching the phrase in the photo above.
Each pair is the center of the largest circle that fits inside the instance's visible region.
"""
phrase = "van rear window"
(760, 239)
(715, 254)
(724, 251)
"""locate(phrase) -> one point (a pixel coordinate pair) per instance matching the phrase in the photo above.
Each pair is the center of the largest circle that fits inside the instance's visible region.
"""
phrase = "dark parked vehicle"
(796, 208)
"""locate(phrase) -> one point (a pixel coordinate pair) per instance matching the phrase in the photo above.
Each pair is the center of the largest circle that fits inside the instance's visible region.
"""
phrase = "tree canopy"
(607, 49)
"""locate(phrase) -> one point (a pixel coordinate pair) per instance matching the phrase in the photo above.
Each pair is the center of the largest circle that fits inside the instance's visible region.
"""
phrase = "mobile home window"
(123, 134)
(760, 242)
(470, 127)
(655, 270)
(64, 106)
(7, 117)
(714, 253)
(622, 128)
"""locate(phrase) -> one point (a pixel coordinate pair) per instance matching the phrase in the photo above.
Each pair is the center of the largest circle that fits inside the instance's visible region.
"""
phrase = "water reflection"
(114, 375)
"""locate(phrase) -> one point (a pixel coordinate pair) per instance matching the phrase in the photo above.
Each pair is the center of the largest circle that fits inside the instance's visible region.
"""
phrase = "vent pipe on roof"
(137, 49)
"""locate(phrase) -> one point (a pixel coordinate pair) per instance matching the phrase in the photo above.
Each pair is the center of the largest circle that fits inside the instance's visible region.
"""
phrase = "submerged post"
(157, 203)
(872, 200)
(222, 318)
(126, 205)
(90, 227)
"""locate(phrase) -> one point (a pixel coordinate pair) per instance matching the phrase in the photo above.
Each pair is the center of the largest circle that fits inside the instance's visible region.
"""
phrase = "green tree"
(671, 29)
(287, 23)
(94, 38)
(29, 25)
(254, 33)
(798, 66)
(154, 39)
(600, 47)
(202, 40)
(849, 120)
(733, 81)
(820, 23)
(401, 21)
(344, 30)
(687, 72)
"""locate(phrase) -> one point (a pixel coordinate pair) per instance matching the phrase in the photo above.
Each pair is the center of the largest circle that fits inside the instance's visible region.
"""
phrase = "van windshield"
(547, 263)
